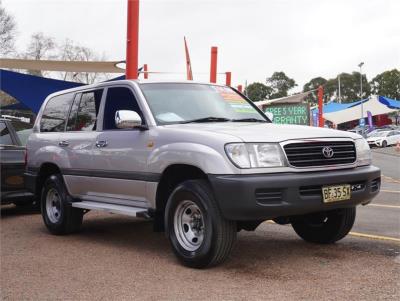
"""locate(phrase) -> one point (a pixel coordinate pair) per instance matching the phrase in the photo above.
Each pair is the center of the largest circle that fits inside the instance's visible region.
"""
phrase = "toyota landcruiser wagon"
(200, 160)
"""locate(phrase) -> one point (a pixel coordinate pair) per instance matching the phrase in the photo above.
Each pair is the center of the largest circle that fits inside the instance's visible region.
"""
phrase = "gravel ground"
(118, 258)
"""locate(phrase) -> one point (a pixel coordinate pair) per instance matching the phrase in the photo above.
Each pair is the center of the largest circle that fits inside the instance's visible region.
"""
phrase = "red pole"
(320, 106)
(213, 69)
(145, 74)
(132, 40)
(240, 88)
(228, 78)
(189, 74)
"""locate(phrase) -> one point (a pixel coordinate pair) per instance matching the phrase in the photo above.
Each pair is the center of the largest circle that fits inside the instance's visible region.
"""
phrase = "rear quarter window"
(55, 113)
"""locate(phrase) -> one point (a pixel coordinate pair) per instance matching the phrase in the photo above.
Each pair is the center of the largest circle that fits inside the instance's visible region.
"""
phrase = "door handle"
(101, 143)
(63, 143)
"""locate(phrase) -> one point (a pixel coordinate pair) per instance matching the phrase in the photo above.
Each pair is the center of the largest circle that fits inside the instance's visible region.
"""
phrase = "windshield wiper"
(207, 119)
(248, 120)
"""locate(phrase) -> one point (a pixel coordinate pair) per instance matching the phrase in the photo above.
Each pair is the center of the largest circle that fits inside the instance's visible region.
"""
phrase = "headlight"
(363, 152)
(255, 155)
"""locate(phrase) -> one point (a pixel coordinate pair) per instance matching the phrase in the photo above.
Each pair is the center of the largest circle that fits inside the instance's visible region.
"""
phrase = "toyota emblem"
(327, 152)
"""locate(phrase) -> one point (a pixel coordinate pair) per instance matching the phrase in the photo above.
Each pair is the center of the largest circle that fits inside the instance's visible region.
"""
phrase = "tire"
(199, 235)
(58, 214)
(325, 227)
(384, 144)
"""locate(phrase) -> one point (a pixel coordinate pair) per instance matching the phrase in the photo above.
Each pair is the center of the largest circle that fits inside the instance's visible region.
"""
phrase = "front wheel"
(199, 235)
(325, 227)
(58, 215)
(384, 143)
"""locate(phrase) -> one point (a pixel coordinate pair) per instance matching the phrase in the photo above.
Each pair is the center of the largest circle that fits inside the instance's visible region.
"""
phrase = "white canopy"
(71, 66)
(372, 104)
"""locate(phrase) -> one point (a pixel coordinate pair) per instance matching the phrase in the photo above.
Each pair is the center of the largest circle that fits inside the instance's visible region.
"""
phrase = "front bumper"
(375, 143)
(268, 196)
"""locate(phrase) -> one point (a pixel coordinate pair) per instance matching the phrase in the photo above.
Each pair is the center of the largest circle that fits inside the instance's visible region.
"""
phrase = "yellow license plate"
(336, 193)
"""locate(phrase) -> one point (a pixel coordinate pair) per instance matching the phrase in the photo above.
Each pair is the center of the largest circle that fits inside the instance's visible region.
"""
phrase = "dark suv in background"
(13, 137)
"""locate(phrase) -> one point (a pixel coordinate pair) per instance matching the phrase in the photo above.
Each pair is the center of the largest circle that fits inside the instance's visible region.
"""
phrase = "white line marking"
(384, 206)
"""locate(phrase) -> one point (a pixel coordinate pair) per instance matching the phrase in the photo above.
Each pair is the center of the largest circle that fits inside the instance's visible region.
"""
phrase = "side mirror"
(269, 115)
(125, 119)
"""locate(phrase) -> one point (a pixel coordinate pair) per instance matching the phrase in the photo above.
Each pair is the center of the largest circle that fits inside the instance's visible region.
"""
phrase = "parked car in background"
(363, 131)
(384, 138)
(389, 127)
(13, 137)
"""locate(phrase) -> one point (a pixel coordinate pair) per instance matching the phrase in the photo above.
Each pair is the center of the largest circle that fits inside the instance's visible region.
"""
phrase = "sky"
(303, 38)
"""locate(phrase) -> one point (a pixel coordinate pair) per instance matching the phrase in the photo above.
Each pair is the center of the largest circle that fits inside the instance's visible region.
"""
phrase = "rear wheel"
(58, 215)
(325, 227)
(198, 233)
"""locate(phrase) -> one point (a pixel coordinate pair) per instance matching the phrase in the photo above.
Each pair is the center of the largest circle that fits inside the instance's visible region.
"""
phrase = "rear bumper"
(268, 196)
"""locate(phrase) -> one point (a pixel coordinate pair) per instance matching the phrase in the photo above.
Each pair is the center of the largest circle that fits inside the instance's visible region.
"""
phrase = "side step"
(112, 208)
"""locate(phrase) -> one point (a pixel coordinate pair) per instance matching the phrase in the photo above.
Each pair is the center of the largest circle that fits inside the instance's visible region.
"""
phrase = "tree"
(331, 89)
(313, 85)
(70, 51)
(7, 32)
(387, 84)
(350, 86)
(280, 84)
(40, 47)
(258, 91)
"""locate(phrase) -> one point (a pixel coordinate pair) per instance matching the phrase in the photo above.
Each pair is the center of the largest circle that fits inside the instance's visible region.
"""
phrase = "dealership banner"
(298, 113)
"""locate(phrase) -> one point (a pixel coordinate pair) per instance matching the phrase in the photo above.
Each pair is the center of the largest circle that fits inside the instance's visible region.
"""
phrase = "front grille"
(268, 196)
(309, 154)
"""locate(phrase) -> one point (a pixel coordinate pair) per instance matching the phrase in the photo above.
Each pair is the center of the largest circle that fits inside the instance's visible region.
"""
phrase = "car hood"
(264, 132)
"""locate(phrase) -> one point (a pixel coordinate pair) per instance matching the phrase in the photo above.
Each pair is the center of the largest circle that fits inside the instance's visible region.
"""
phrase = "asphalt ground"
(382, 216)
(120, 258)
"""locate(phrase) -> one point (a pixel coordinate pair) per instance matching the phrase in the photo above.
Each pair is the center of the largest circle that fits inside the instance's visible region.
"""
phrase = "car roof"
(124, 81)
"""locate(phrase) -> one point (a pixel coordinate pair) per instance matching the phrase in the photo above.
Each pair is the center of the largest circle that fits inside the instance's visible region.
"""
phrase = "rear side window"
(55, 113)
(74, 111)
(84, 111)
(5, 137)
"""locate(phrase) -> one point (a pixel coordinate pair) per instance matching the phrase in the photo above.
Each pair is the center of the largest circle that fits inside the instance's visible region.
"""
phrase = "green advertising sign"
(296, 113)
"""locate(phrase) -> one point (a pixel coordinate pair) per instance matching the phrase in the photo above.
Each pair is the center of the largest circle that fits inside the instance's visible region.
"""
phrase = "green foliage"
(313, 85)
(280, 84)
(258, 91)
(350, 86)
(387, 84)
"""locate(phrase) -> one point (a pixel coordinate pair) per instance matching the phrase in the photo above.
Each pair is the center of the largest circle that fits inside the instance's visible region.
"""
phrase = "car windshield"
(379, 134)
(173, 103)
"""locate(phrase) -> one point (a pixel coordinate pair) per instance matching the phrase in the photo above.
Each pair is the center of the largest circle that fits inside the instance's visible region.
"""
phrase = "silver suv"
(200, 160)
